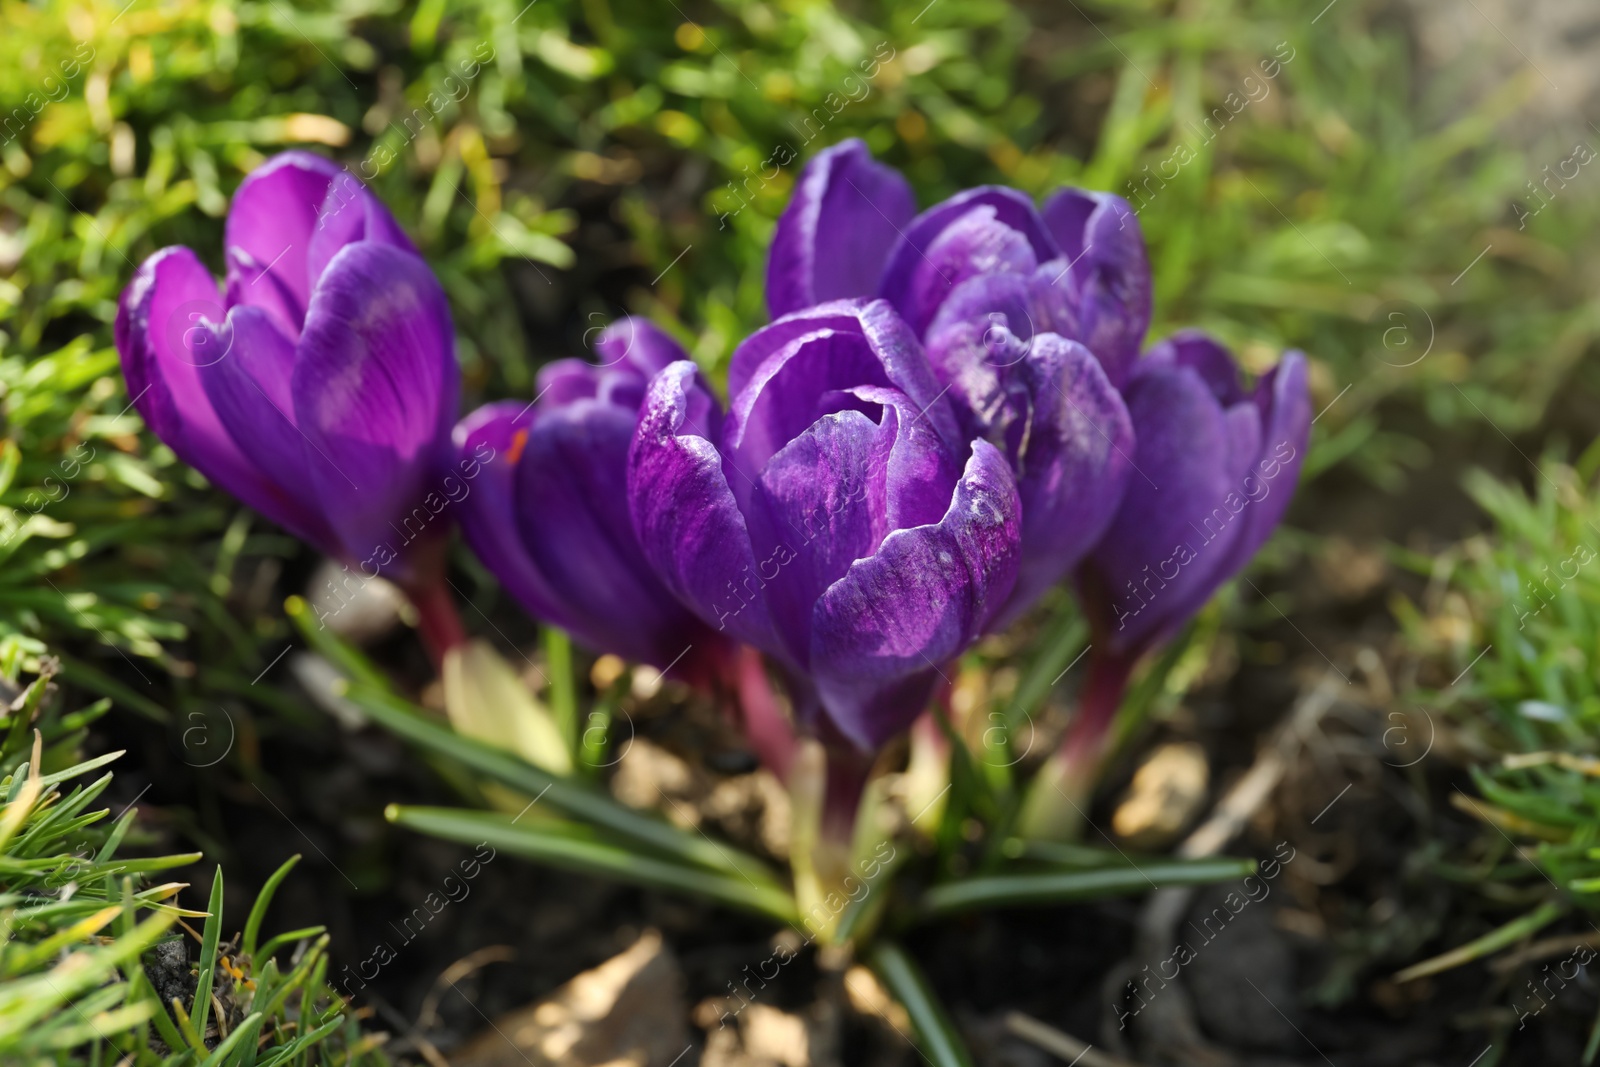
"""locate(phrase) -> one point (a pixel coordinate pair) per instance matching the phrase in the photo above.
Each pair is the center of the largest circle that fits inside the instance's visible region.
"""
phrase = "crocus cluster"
(949, 415)
(1150, 479)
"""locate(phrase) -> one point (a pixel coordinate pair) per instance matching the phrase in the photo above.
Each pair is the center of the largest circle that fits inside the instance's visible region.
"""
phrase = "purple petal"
(573, 510)
(881, 633)
(979, 333)
(1107, 274)
(1073, 462)
(689, 526)
(637, 344)
(489, 444)
(914, 285)
(1204, 355)
(165, 337)
(564, 381)
(833, 238)
(1159, 559)
(348, 213)
(274, 216)
(819, 507)
(375, 389)
(1284, 400)
(249, 390)
(251, 284)
(972, 245)
(805, 365)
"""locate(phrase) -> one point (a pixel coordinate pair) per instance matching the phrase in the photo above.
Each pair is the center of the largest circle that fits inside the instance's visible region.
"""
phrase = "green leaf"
(1060, 887)
(576, 800)
(936, 1036)
(576, 847)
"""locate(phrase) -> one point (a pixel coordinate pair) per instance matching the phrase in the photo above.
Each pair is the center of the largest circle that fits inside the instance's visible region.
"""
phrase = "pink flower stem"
(1102, 694)
(438, 622)
(756, 707)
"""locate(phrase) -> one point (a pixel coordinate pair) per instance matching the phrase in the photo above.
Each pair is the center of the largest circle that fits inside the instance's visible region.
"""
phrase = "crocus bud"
(1028, 319)
(836, 519)
(320, 384)
(548, 511)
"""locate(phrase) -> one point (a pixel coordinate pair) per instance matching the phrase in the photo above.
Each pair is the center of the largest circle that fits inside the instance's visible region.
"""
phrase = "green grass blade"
(258, 910)
(208, 956)
(1493, 941)
(1061, 887)
(575, 799)
(936, 1036)
(574, 846)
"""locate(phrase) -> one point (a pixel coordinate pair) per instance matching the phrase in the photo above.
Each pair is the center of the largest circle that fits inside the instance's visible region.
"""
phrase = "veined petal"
(881, 633)
(489, 445)
(819, 507)
(375, 389)
(689, 526)
(274, 216)
(974, 244)
(1159, 559)
(573, 513)
(165, 336)
(910, 280)
(792, 372)
(249, 390)
(833, 238)
(1107, 273)
(1073, 461)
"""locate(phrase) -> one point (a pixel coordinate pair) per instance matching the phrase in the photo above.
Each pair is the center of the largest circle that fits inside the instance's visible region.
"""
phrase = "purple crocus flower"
(836, 519)
(319, 385)
(1218, 465)
(1029, 320)
(1216, 468)
(548, 514)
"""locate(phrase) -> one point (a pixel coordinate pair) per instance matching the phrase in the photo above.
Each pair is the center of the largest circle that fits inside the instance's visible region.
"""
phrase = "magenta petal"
(375, 390)
(882, 632)
(349, 212)
(251, 284)
(165, 335)
(833, 238)
(684, 513)
(274, 217)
